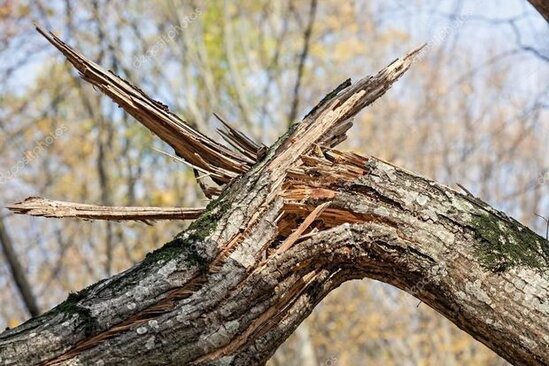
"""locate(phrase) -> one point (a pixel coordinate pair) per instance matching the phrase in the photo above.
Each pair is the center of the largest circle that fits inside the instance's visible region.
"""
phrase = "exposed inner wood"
(37, 206)
(293, 237)
(241, 142)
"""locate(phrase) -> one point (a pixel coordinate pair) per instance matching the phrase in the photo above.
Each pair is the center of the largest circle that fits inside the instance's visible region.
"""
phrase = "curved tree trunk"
(300, 222)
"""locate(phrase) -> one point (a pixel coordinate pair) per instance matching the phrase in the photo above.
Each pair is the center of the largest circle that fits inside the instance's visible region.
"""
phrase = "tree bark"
(296, 225)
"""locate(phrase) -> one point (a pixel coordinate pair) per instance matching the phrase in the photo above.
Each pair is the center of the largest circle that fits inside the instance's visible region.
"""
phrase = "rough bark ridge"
(289, 226)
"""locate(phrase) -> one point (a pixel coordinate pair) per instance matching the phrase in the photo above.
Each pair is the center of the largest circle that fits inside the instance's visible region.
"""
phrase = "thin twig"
(547, 225)
(302, 59)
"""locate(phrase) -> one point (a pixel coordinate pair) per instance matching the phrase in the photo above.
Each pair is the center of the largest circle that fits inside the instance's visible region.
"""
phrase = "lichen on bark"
(506, 244)
(88, 322)
(70, 307)
(185, 243)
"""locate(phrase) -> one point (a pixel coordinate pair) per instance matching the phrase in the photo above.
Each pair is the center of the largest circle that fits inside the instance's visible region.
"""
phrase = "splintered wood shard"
(189, 144)
(241, 142)
(293, 237)
(370, 88)
(331, 95)
(335, 111)
(36, 206)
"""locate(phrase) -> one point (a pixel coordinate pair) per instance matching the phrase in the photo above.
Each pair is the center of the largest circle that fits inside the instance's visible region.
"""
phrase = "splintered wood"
(36, 206)
(207, 158)
(292, 238)
(216, 165)
(316, 177)
(331, 115)
(199, 150)
(242, 143)
(317, 180)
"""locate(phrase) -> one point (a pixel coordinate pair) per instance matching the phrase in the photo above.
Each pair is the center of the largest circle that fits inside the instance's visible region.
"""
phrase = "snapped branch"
(36, 206)
(191, 145)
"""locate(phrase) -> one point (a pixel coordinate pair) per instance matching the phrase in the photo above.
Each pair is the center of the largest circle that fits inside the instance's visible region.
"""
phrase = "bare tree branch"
(302, 59)
(19, 275)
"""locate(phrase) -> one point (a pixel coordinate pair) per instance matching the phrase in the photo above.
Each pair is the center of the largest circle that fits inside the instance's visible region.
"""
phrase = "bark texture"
(284, 233)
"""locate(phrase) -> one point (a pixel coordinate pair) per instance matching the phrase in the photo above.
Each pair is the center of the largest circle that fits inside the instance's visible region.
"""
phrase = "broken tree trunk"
(284, 233)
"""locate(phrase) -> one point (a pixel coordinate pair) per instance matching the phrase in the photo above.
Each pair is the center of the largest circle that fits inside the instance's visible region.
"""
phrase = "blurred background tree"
(473, 111)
